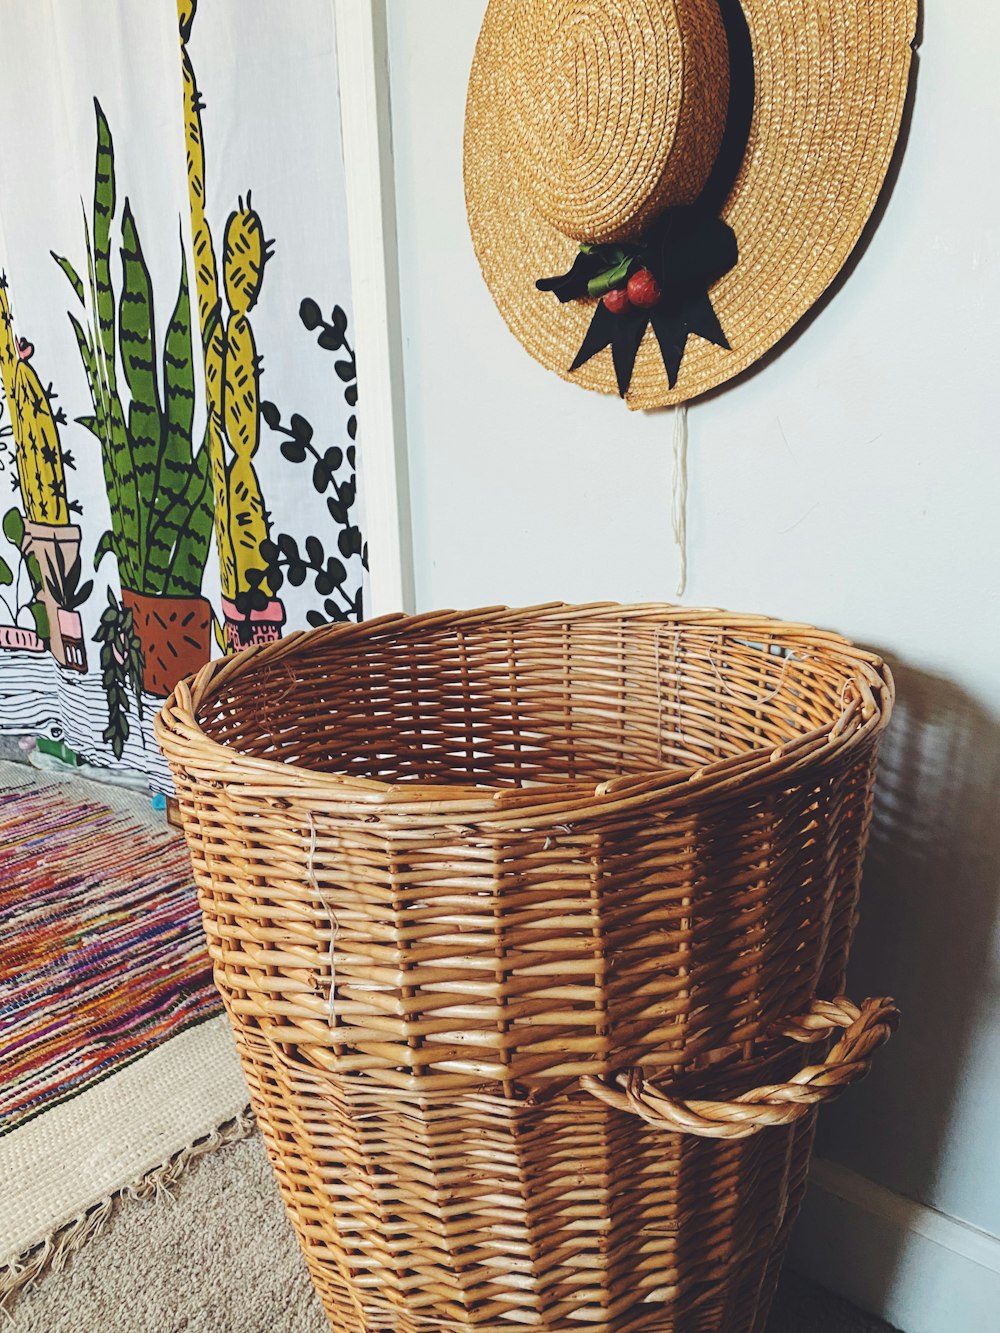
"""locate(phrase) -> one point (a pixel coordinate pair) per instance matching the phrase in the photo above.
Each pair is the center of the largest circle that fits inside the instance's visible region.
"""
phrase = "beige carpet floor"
(219, 1257)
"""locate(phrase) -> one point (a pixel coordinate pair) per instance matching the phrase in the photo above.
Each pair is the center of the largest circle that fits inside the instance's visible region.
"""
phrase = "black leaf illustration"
(310, 314)
(301, 428)
(294, 451)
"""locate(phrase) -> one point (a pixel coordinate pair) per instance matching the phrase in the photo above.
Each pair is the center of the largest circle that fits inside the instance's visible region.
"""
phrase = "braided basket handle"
(867, 1028)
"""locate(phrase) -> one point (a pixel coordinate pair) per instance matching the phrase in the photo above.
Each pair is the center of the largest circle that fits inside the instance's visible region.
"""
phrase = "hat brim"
(831, 84)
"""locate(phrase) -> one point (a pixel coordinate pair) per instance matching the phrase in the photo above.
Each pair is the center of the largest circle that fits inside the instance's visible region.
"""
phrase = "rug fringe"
(58, 1247)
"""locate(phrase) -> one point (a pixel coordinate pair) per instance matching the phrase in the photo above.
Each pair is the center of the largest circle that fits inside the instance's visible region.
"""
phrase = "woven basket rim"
(184, 741)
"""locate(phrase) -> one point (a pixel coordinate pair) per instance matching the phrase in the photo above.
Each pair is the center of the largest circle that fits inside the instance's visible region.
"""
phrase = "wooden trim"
(363, 71)
(917, 1268)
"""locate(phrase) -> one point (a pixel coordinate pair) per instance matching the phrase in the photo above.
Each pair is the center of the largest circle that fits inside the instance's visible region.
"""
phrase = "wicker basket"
(532, 927)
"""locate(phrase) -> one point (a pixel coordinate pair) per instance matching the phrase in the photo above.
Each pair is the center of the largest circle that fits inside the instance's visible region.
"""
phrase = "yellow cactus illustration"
(232, 368)
(243, 259)
(38, 450)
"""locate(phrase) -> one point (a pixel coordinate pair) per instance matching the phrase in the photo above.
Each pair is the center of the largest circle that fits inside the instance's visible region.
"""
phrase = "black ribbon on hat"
(687, 249)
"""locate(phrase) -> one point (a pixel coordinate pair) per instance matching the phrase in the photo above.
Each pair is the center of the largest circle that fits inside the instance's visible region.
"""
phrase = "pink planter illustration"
(262, 626)
(71, 634)
(57, 548)
(14, 636)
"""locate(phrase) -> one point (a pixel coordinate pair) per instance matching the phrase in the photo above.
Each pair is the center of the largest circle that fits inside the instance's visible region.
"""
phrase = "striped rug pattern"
(101, 952)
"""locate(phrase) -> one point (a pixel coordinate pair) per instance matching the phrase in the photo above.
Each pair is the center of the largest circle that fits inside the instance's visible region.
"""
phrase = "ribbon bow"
(687, 250)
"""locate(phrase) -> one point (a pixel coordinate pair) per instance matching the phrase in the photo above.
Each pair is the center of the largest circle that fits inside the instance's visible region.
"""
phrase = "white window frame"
(363, 73)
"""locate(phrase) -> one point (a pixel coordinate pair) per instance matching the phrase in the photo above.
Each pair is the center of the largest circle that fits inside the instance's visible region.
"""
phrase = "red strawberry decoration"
(617, 300)
(643, 290)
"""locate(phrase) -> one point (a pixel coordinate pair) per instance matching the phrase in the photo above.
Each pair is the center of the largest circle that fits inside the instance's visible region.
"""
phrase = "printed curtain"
(179, 428)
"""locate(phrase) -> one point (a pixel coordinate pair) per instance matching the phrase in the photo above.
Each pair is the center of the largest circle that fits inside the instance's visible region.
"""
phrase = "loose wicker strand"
(678, 507)
(761, 698)
(331, 1014)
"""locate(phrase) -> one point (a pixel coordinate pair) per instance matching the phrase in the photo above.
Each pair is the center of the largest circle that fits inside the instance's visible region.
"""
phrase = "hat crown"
(621, 107)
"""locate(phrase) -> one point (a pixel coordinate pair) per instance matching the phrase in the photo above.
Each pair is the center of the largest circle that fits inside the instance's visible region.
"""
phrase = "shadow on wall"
(929, 907)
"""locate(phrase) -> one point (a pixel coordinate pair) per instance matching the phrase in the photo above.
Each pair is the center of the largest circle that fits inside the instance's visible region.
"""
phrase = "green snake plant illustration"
(159, 485)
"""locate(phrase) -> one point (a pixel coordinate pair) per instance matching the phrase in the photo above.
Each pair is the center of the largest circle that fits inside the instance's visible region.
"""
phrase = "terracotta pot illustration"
(262, 626)
(56, 547)
(176, 637)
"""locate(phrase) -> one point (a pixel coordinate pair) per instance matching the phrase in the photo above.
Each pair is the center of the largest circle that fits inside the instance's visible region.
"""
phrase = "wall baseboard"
(918, 1269)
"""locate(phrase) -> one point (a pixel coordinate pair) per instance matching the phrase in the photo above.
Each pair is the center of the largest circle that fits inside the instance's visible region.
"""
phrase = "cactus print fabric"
(179, 448)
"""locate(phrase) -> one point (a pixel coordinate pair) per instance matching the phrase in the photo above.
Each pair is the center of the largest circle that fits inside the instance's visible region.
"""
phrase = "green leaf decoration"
(110, 422)
(105, 546)
(104, 211)
(178, 479)
(6, 574)
(72, 274)
(41, 618)
(34, 571)
(13, 527)
(178, 378)
(121, 669)
(92, 424)
(85, 346)
(612, 277)
(137, 339)
(160, 494)
(119, 471)
(195, 534)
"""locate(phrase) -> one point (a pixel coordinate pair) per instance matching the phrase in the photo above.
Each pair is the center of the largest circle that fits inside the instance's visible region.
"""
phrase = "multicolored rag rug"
(115, 1064)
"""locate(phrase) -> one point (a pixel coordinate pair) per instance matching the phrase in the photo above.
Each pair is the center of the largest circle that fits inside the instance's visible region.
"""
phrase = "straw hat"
(733, 151)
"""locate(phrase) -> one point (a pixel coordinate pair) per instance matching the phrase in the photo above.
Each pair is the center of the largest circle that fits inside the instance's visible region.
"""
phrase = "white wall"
(853, 481)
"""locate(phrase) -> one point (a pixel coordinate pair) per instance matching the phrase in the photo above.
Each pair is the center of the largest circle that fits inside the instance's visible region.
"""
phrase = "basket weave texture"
(532, 927)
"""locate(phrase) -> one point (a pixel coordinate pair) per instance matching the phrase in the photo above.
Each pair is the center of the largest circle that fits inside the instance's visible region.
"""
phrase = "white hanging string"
(678, 508)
